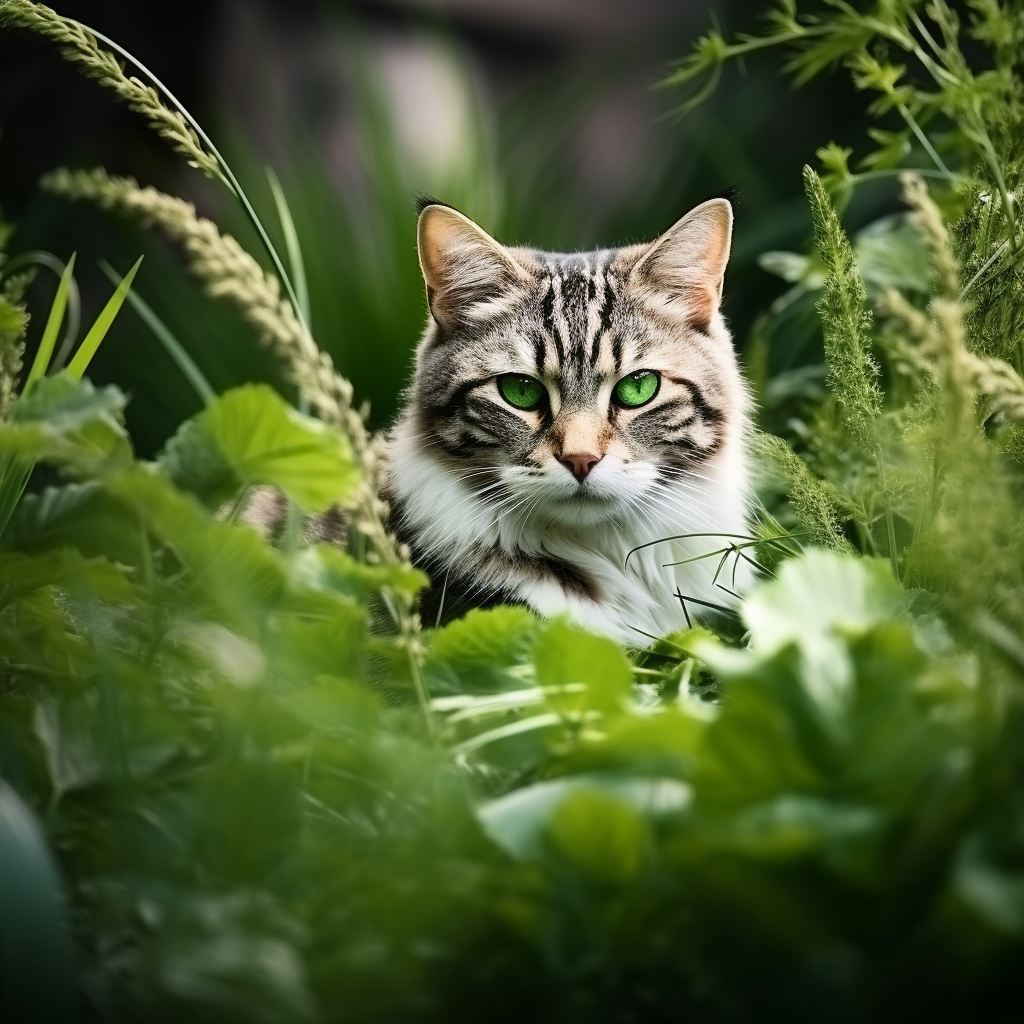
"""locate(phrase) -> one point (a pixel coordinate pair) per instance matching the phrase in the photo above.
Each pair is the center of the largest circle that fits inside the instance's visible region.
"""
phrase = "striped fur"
(485, 493)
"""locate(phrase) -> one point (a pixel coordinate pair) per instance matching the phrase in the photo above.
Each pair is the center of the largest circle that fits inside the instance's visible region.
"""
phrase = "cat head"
(579, 385)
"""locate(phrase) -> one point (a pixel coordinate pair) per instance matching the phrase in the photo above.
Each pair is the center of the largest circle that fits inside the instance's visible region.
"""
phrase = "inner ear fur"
(462, 265)
(686, 265)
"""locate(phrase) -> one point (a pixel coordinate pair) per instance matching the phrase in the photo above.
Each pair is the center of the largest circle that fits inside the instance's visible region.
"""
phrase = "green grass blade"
(99, 329)
(291, 242)
(166, 337)
(42, 360)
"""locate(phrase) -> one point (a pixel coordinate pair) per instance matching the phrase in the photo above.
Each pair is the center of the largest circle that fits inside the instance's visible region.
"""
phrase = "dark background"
(540, 120)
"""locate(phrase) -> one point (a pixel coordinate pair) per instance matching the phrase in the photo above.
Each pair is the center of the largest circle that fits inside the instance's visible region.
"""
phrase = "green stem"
(923, 139)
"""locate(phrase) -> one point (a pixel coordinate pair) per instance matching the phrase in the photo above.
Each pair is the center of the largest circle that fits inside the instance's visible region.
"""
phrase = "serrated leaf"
(473, 654)
(268, 442)
(197, 465)
(65, 568)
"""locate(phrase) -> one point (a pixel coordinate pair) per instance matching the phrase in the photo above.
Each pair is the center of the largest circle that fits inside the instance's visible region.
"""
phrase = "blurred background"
(540, 119)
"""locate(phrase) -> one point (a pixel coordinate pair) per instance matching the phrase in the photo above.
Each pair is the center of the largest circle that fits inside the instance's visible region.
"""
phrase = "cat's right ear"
(465, 270)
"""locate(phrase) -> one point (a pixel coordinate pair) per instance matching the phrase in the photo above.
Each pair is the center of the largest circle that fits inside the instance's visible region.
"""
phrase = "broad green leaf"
(815, 602)
(891, 253)
(228, 564)
(565, 655)
(197, 465)
(91, 342)
(250, 436)
(65, 568)
(518, 822)
(602, 836)
(80, 515)
(474, 654)
(821, 594)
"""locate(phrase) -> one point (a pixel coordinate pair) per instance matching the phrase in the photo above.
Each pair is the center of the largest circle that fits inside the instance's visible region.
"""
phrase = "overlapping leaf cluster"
(269, 798)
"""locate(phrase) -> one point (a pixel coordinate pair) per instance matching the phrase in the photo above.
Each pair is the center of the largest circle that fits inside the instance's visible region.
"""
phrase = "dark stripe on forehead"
(548, 311)
(539, 352)
(607, 297)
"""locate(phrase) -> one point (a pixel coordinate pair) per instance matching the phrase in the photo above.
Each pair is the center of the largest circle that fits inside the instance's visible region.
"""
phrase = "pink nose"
(581, 463)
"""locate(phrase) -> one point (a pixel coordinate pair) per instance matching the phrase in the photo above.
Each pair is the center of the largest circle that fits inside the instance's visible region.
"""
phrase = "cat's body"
(568, 410)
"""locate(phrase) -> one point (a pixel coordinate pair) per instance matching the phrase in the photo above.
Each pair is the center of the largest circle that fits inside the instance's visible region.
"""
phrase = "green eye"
(521, 391)
(637, 389)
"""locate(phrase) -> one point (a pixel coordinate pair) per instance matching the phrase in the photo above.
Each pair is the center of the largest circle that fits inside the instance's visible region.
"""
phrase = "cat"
(569, 415)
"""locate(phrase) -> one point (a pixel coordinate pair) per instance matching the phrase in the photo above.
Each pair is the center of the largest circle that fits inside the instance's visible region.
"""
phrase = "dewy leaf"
(251, 436)
(565, 655)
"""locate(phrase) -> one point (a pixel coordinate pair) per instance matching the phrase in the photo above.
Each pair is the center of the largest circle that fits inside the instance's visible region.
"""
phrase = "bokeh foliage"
(271, 796)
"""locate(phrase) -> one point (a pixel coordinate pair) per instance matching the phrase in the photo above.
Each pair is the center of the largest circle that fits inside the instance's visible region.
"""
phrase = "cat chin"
(579, 511)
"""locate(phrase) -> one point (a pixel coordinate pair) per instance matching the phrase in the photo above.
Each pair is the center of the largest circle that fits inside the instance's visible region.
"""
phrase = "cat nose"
(581, 463)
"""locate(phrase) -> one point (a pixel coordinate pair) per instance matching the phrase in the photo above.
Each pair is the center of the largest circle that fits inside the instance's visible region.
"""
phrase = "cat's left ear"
(686, 265)
(465, 270)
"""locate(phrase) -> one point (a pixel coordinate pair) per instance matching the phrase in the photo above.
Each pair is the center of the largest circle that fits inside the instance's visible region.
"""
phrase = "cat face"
(576, 388)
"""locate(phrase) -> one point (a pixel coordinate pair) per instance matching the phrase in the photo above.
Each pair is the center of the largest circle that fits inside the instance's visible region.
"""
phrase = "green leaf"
(229, 565)
(602, 836)
(80, 362)
(819, 595)
(518, 822)
(565, 656)
(65, 568)
(195, 464)
(165, 336)
(37, 978)
(892, 254)
(250, 436)
(44, 353)
(473, 654)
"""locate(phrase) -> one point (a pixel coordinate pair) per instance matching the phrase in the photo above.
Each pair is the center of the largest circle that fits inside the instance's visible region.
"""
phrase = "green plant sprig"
(845, 36)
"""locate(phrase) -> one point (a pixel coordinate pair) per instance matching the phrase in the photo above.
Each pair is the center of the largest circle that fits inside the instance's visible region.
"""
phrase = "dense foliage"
(269, 795)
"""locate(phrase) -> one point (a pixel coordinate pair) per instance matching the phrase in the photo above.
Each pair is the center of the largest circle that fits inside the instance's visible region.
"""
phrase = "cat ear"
(463, 267)
(687, 264)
